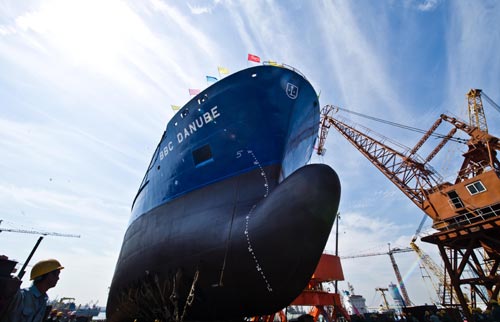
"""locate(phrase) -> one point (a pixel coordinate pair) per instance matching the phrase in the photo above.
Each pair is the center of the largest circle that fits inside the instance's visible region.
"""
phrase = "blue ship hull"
(229, 222)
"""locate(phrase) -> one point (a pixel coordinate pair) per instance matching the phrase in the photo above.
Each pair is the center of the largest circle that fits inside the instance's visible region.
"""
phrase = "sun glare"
(88, 32)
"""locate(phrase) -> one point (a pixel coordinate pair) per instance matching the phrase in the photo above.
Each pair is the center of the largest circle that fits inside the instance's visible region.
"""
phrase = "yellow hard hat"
(43, 267)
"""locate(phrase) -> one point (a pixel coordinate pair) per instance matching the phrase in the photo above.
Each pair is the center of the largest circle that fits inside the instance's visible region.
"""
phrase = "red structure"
(323, 302)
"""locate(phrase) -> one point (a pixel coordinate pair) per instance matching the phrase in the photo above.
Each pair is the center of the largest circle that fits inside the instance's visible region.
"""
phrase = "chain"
(190, 298)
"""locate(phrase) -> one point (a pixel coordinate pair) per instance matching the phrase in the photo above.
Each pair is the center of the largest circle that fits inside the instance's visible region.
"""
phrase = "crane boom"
(434, 268)
(413, 175)
(43, 233)
(414, 178)
(35, 232)
(393, 250)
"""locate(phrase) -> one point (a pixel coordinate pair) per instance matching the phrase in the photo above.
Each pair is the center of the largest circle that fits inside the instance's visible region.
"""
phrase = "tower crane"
(22, 271)
(391, 253)
(429, 264)
(382, 291)
(35, 232)
(477, 118)
(466, 212)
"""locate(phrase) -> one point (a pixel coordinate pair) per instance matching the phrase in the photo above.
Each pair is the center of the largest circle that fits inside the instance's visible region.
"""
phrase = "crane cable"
(406, 127)
(495, 105)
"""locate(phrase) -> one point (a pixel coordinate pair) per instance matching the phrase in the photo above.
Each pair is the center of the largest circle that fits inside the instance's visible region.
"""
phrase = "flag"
(223, 70)
(193, 91)
(211, 79)
(175, 107)
(253, 58)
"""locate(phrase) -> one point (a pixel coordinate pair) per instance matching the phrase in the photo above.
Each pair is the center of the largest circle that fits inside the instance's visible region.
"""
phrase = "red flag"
(254, 58)
(194, 91)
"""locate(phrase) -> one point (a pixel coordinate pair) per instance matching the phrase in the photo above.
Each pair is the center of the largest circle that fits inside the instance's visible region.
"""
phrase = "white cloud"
(428, 5)
(204, 7)
(92, 208)
(6, 30)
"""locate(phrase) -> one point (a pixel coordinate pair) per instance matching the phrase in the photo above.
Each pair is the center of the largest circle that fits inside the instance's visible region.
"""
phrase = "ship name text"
(192, 127)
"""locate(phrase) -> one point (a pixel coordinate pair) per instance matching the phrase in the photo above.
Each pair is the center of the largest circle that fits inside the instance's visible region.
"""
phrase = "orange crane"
(391, 253)
(465, 212)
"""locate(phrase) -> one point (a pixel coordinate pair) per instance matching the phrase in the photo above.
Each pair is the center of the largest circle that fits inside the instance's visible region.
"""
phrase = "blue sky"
(86, 88)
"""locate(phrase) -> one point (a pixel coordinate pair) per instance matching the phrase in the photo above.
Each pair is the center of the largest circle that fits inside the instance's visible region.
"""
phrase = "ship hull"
(253, 255)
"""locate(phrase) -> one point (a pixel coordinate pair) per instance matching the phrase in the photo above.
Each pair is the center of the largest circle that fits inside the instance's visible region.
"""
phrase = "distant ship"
(354, 304)
(396, 296)
(230, 220)
(67, 306)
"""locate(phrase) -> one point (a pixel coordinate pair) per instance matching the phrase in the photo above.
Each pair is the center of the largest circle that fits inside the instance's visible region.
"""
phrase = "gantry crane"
(466, 213)
(391, 253)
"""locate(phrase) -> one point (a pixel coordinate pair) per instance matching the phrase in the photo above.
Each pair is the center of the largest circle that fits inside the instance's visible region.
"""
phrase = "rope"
(406, 127)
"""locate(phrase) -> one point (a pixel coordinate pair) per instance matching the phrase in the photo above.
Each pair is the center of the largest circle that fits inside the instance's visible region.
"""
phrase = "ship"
(354, 304)
(231, 217)
(68, 307)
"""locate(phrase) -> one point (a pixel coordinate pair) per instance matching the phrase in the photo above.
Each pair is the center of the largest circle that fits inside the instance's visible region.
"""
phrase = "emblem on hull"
(292, 91)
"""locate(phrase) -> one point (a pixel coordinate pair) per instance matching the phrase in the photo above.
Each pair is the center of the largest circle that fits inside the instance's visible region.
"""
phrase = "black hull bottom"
(234, 249)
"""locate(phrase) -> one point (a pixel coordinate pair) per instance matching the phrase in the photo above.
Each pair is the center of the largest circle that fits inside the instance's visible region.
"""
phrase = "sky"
(86, 89)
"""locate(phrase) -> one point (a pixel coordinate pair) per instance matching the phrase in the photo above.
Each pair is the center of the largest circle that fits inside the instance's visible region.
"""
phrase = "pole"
(337, 245)
(22, 271)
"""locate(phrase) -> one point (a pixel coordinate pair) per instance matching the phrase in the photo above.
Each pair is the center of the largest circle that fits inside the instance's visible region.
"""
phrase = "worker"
(495, 311)
(443, 316)
(434, 317)
(60, 316)
(52, 316)
(30, 304)
(72, 316)
(427, 316)
(413, 318)
(477, 314)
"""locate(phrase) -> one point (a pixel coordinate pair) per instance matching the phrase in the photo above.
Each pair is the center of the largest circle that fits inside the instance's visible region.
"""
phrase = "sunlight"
(88, 32)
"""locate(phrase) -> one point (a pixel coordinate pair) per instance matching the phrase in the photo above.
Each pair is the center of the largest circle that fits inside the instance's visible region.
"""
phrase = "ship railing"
(273, 63)
(476, 216)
